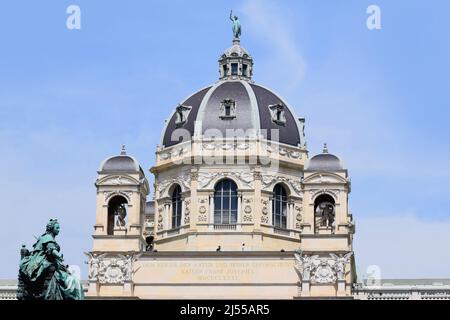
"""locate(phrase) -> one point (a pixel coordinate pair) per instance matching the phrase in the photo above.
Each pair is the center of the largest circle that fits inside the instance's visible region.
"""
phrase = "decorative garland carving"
(285, 152)
(322, 270)
(109, 194)
(117, 181)
(173, 153)
(269, 180)
(315, 192)
(206, 178)
(183, 180)
(226, 146)
(117, 269)
(187, 212)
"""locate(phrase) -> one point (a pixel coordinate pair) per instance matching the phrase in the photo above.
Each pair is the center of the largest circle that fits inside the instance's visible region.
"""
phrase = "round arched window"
(279, 207)
(176, 207)
(225, 202)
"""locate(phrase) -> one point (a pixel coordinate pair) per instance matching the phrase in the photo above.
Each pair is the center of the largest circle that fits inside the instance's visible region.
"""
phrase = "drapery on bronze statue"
(42, 272)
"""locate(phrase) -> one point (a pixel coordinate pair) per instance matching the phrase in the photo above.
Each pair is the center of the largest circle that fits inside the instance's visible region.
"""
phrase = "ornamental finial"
(123, 152)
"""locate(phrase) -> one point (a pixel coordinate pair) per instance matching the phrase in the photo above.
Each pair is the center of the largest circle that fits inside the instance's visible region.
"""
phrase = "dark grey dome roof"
(120, 163)
(252, 112)
(324, 162)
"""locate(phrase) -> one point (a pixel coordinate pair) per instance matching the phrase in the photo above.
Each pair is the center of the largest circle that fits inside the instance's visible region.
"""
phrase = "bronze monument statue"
(236, 25)
(42, 272)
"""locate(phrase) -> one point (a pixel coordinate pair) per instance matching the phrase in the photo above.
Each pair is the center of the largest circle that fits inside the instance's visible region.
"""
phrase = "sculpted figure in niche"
(120, 213)
(325, 214)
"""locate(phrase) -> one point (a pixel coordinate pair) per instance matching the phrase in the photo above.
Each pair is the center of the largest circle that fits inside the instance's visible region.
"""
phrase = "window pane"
(234, 69)
(225, 218)
(217, 203)
(217, 218)
(234, 201)
(283, 223)
(226, 203)
(233, 216)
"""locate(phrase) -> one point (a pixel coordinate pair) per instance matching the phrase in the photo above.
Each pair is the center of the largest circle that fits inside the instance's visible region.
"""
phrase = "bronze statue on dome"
(236, 25)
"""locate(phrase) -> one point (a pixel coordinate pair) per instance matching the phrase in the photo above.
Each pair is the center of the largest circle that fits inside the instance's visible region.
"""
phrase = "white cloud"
(278, 37)
(404, 247)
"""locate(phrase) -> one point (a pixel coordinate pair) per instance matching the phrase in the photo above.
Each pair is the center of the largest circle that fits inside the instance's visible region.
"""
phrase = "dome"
(234, 107)
(237, 105)
(120, 164)
(324, 162)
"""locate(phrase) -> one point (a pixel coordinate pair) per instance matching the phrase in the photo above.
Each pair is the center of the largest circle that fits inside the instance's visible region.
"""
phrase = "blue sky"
(68, 99)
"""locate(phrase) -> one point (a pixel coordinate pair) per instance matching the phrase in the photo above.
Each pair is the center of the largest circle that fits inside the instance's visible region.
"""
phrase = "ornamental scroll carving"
(315, 192)
(205, 179)
(173, 153)
(226, 146)
(117, 181)
(269, 180)
(116, 269)
(322, 270)
(285, 152)
(109, 194)
(183, 180)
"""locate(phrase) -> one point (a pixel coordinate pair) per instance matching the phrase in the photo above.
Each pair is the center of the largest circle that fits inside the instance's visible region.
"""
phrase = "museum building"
(239, 209)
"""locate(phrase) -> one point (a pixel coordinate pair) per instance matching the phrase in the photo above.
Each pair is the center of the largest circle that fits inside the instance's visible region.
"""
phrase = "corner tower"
(121, 192)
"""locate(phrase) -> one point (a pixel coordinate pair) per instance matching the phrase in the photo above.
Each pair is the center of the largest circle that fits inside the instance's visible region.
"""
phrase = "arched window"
(176, 207)
(279, 207)
(225, 202)
(117, 212)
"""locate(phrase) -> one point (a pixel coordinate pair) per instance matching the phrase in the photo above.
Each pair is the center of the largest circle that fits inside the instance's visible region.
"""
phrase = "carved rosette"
(202, 210)
(247, 217)
(265, 211)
